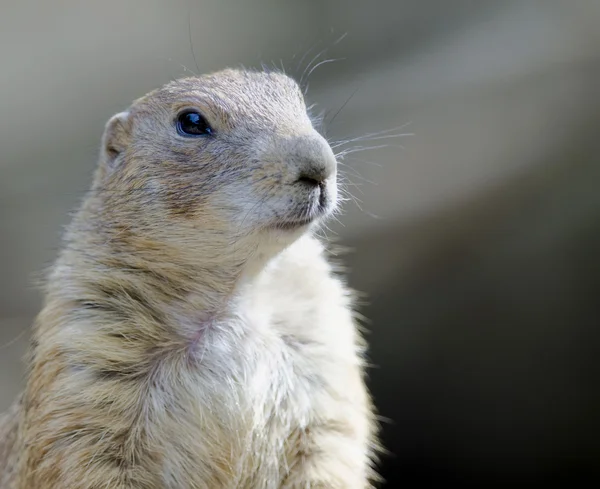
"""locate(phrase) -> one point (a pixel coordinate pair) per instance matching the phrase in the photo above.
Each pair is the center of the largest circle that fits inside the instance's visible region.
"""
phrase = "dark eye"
(192, 123)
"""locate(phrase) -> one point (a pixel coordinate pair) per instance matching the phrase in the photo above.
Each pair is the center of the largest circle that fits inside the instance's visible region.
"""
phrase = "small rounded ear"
(117, 134)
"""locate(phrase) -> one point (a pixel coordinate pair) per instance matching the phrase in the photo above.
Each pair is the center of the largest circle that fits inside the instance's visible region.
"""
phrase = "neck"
(162, 285)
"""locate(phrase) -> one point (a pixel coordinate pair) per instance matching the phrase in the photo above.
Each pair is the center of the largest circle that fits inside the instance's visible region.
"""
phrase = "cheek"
(256, 183)
(185, 183)
(183, 193)
(248, 203)
(266, 177)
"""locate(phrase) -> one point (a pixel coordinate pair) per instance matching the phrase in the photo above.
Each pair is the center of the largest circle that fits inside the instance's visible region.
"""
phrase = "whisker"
(355, 172)
(374, 135)
(305, 55)
(308, 66)
(185, 68)
(345, 192)
(376, 138)
(343, 105)
(14, 340)
(357, 186)
(340, 39)
(320, 63)
(358, 149)
(190, 36)
(385, 131)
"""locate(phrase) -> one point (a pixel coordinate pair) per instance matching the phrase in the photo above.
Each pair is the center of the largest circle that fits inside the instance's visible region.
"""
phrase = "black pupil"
(193, 124)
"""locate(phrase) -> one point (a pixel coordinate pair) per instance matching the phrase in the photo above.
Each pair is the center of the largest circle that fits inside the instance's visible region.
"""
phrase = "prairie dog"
(193, 334)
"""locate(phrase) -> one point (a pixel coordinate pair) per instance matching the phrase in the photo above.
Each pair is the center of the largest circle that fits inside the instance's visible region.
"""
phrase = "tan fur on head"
(193, 334)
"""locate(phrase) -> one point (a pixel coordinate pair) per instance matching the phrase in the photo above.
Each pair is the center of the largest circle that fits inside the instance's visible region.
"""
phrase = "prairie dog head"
(233, 154)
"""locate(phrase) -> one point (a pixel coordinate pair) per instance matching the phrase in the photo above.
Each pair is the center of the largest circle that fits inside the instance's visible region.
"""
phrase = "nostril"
(313, 175)
(309, 180)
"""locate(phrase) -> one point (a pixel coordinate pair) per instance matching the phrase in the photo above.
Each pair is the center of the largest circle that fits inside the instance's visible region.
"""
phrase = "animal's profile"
(193, 334)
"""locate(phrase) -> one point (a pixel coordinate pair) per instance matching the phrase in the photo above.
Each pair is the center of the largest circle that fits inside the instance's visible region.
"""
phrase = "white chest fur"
(268, 370)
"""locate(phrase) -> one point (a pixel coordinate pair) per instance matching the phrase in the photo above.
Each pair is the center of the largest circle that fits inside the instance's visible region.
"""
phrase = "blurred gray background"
(477, 242)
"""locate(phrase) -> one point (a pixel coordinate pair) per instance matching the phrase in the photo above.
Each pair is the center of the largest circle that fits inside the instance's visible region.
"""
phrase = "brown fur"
(191, 336)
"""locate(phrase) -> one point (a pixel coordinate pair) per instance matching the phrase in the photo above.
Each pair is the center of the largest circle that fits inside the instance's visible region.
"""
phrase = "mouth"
(316, 205)
(293, 224)
(290, 223)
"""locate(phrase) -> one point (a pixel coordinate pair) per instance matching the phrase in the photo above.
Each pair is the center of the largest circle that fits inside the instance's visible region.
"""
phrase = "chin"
(285, 226)
(277, 236)
(289, 231)
(308, 218)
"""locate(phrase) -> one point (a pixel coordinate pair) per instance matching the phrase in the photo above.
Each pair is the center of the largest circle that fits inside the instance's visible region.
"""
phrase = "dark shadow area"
(485, 334)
